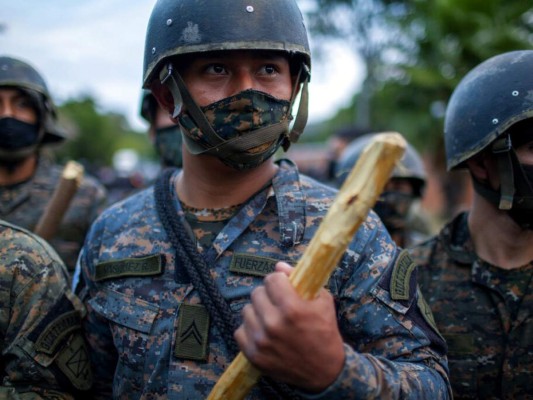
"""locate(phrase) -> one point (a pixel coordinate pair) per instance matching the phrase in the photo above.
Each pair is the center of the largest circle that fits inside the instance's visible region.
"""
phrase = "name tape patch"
(460, 344)
(252, 265)
(143, 266)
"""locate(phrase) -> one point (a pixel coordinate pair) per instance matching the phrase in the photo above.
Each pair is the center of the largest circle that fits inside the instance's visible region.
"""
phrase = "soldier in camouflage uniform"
(176, 274)
(398, 207)
(27, 176)
(477, 272)
(43, 351)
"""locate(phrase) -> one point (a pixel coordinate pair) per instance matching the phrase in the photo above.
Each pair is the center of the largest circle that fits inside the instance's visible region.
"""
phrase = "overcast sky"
(96, 47)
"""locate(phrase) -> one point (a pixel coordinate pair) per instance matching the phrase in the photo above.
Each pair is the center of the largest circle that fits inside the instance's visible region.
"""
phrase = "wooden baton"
(356, 197)
(57, 206)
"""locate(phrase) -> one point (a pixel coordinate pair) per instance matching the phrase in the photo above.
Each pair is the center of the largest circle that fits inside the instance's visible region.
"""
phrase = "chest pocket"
(131, 320)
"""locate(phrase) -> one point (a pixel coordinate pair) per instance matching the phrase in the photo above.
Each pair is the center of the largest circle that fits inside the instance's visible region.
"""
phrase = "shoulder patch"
(427, 314)
(142, 266)
(56, 331)
(252, 265)
(401, 276)
(73, 361)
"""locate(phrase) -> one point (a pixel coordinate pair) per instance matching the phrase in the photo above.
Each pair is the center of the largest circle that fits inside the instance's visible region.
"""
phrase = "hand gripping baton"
(356, 197)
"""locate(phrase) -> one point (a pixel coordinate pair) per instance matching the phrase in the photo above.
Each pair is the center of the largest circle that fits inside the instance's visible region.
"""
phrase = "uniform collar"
(457, 240)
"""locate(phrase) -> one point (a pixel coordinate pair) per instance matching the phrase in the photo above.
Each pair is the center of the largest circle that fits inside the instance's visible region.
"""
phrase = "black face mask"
(16, 135)
(522, 210)
(392, 208)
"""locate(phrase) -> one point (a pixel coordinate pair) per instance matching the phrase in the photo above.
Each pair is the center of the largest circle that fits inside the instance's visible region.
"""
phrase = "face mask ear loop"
(173, 81)
(502, 148)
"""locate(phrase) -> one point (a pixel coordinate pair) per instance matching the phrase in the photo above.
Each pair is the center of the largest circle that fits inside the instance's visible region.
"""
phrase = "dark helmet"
(18, 74)
(410, 166)
(178, 27)
(489, 99)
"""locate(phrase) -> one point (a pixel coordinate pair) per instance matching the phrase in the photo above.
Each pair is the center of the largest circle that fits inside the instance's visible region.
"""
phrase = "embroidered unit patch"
(401, 276)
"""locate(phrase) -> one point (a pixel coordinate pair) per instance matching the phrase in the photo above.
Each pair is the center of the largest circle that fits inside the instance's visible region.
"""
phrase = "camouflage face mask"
(233, 119)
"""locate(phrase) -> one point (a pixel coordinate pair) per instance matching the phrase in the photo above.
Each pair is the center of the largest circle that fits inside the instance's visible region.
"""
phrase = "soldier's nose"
(242, 81)
(6, 110)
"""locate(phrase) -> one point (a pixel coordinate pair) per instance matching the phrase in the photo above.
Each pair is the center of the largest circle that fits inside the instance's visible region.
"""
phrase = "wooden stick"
(356, 197)
(56, 208)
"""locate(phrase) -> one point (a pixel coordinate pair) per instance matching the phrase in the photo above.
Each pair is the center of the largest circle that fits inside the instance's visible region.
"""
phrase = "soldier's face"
(214, 76)
(16, 104)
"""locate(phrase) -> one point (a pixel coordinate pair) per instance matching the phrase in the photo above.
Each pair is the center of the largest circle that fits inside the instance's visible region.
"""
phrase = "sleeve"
(392, 346)
(103, 353)
(44, 354)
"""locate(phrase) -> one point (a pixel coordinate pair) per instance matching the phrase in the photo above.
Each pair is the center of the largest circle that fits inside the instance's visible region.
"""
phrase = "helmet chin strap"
(221, 147)
(502, 148)
(174, 82)
(304, 76)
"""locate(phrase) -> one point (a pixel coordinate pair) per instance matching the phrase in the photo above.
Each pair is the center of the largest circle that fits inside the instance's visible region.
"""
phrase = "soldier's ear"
(163, 97)
(480, 166)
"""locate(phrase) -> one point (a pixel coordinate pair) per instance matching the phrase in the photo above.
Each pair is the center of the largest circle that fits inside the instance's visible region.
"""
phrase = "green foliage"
(419, 50)
(95, 136)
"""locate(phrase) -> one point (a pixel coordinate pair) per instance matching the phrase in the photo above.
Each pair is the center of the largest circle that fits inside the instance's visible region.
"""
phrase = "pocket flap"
(132, 312)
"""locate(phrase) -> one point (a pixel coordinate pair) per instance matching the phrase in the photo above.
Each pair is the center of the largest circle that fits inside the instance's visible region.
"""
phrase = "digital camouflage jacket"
(483, 312)
(24, 204)
(143, 310)
(43, 350)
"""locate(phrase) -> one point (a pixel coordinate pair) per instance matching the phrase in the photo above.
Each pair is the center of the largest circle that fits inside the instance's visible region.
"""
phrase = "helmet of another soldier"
(492, 97)
(18, 74)
(410, 167)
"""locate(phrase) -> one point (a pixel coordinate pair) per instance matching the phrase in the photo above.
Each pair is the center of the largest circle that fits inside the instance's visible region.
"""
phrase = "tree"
(371, 28)
(416, 51)
(94, 136)
(428, 47)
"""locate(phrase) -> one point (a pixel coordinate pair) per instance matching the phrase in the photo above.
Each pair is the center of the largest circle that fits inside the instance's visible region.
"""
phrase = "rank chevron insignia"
(193, 332)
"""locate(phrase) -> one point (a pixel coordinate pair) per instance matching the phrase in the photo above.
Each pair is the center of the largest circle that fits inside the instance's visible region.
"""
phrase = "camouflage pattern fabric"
(24, 204)
(486, 322)
(43, 350)
(136, 291)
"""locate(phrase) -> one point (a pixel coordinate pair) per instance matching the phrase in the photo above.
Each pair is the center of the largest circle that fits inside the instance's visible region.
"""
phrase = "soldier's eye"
(24, 103)
(270, 69)
(216, 69)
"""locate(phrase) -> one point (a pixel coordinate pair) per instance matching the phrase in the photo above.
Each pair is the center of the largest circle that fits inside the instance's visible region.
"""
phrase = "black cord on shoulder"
(187, 253)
